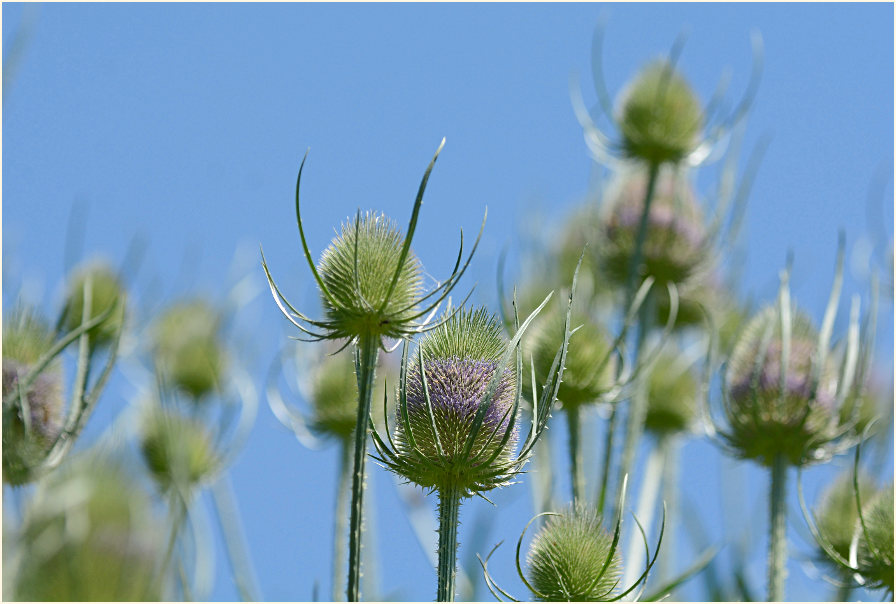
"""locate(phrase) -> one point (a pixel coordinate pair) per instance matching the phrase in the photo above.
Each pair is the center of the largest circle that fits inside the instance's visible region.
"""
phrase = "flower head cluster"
(370, 282)
(88, 535)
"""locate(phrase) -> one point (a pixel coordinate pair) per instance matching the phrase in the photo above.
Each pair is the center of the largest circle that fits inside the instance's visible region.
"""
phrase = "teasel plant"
(325, 378)
(574, 559)
(36, 436)
(457, 416)
(781, 393)
(371, 290)
(192, 426)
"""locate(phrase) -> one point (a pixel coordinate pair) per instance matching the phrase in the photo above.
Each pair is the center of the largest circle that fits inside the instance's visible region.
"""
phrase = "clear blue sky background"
(184, 124)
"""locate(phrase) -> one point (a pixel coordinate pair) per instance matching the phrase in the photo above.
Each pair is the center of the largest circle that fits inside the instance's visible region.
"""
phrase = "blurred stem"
(638, 404)
(777, 548)
(577, 478)
(844, 592)
(608, 454)
(185, 590)
(367, 350)
(345, 475)
(178, 510)
(542, 483)
(449, 508)
(650, 488)
(669, 491)
(234, 539)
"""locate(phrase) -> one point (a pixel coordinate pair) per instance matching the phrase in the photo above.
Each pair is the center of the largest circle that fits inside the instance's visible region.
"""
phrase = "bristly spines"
(372, 243)
(573, 558)
(458, 361)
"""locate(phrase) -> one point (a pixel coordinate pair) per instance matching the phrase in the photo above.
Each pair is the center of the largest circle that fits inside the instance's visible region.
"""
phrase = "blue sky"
(183, 124)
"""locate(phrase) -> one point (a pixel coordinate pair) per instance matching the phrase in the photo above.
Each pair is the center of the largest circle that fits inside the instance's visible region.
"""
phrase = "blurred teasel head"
(672, 392)
(573, 558)
(676, 243)
(838, 515)
(871, 551)
(458, 400)
(178, 450)
(106, 295)
(88, 535)
(188, 350)
(782, 389)
(32, 413)
(370, 282)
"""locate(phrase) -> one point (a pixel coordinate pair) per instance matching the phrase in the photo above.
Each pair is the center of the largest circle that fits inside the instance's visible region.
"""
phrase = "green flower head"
(106, 295)
(573, 558)
(659, 116)
(671, 397)
(838, 516)
(177, 450)
(188, 348)
(873, 555)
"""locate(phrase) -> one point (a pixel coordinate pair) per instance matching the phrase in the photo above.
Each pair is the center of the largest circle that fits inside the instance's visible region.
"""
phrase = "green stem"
(576, 475)
(650, 488)
(542, 475)
(638, 406)
(449, 508)
(844, 593)
(669, 495)
(777, 548)
(368, 349)
(234, 539)
(608, 455)
(339, 518)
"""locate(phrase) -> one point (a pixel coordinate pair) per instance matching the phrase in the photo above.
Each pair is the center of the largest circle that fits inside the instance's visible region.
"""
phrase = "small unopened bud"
(106, 293)
(659, 116)
(572, 559)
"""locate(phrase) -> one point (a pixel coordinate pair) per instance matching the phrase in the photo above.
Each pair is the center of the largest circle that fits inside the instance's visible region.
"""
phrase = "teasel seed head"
(659, 115)
(676, 242)
(188, 349)
(27, 338)
(769, 414)
(573, 558)
(671, 397)
(88, 535)
(873, 542)
(458, 362)
(178, 450)
(106, 293)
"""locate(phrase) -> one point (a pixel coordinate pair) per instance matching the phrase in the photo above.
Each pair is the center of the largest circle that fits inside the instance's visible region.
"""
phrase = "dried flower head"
(573, 558)
(188, 349)
(106, 293)
(32, 420)
(671, 396)
(676, 242)
(88, 535)
(779, 404)
(370, 281)
(177, 450)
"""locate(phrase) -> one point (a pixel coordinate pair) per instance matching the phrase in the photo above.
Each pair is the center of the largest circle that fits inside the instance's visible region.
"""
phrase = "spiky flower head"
(188, 348)
(106, 295)
(659, 115)
(447, 382)
(27, 338)
(88, 535)
(838, 516)
(573, 558)
(590, 363)
(357, 269)
(675, 244)
(776, 409)
(874, 542)
(177, 450)
(671, 397)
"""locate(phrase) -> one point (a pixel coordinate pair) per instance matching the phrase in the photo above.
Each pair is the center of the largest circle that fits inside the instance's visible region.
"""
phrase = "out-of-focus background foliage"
(175, 132)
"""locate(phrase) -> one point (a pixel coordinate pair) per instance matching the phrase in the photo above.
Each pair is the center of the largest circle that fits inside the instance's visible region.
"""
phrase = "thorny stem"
(576, 475)
(777, 547)
(449, 508)
(339, 518)
(368, 349)
(638, 404)
(234, 539)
